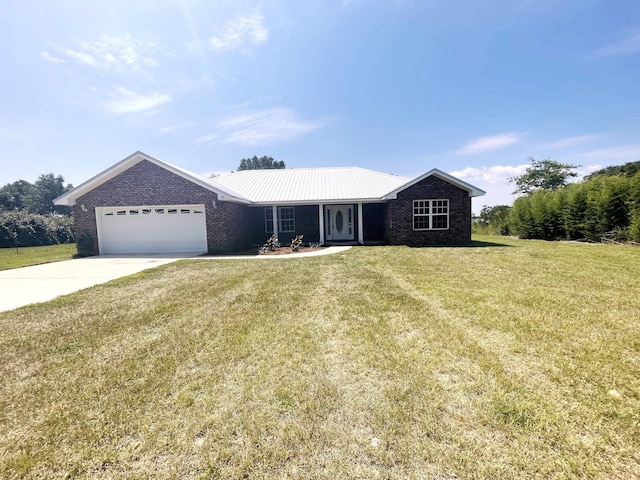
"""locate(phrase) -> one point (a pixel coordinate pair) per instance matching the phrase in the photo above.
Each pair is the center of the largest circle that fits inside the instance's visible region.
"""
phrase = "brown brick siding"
(399, 219)
(147, 184)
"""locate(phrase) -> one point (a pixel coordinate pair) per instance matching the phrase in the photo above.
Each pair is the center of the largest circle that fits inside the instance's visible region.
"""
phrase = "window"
(430, 214)
(286, 219)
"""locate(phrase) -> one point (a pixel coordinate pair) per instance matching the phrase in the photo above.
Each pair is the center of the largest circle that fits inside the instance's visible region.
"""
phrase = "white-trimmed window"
(430, 214)
(286, 219)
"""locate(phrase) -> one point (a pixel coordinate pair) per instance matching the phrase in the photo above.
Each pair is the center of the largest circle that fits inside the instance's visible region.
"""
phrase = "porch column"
(360, 225)
(275, 220)
(321, 222)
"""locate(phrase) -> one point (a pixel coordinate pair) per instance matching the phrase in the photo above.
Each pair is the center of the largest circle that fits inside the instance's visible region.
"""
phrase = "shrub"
(271, 245)
(296, 242)
(19, 227)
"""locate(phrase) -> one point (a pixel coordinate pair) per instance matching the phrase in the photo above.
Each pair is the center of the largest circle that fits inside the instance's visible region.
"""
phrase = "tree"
(37, 197)
(629, 169)
(261, 163)
(45, 190)
(496, 219)
(13, 195)
(544, 174)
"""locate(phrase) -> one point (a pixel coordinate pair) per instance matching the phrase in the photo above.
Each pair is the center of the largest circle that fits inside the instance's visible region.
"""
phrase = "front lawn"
(510, 359)
(26, 256)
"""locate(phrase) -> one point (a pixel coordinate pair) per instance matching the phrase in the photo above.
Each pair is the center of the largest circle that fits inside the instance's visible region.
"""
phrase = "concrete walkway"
(41, 283)
(315, 253)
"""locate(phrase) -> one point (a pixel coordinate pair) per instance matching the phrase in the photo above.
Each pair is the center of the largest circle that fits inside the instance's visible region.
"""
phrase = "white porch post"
(275, 220)
(360, 225)
(321, 222)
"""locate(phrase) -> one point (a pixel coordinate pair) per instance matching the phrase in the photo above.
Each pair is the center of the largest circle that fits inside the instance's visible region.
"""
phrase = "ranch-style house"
(145, 205)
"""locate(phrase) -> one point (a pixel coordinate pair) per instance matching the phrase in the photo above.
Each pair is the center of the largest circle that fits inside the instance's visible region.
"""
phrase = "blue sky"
(470, 87)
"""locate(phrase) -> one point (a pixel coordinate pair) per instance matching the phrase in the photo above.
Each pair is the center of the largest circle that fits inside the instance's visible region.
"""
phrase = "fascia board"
(317, 202)
(473, 191)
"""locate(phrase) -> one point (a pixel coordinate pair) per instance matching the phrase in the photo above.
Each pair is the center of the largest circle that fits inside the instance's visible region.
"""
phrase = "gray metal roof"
(306, 185)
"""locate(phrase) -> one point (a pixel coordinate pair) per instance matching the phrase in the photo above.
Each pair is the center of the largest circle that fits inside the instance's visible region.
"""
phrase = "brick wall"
(373, 217)
(306, 224)
(148, 184)
(399, 218)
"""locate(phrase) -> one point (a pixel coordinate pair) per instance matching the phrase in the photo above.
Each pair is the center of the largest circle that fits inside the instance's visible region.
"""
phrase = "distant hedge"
(19, 227)
(603, 206)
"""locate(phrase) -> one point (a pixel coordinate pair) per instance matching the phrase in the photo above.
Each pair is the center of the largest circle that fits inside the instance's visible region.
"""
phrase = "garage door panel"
(157, 229)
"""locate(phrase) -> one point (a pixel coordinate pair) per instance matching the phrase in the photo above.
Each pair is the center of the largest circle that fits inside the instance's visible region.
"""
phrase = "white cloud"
(490, 143)
(494, 180)
(571, 141)
(126, 101)
(627, 153)
(12, 135)
(50, 58)
(177, 126)
(81, 57)
(490, 175)
(109, 53)
(261, 127)
(240, 34)
(628, 45)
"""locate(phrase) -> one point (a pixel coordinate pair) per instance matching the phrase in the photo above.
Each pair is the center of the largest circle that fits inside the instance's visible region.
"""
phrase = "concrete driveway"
(40, 283)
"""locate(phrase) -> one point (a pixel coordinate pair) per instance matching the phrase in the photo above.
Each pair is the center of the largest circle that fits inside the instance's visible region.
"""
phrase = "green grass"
(511, 359)
(26, 256)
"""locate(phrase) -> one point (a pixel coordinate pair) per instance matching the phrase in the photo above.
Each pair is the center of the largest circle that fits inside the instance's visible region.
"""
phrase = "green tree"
(629, 169)
(496, 219)
(544, 174)
(45, 190)
(262, 163)
(14, 195)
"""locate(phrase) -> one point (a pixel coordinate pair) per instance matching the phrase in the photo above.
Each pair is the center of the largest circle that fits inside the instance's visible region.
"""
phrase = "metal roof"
(307, 185)
(291, 185)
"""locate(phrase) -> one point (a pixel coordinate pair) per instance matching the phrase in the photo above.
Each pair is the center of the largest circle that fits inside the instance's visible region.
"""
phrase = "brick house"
(145, 205)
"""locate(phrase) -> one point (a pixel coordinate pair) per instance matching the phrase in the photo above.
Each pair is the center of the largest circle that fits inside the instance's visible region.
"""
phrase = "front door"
(339, 222)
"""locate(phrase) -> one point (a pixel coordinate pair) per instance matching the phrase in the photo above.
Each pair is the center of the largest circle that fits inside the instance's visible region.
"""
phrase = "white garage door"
(152, 229)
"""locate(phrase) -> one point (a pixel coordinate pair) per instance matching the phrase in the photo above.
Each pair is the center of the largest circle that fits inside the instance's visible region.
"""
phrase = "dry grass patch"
(512, 361)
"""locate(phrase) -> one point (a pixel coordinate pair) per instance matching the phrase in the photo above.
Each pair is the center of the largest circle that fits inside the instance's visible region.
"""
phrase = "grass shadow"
(473, 244)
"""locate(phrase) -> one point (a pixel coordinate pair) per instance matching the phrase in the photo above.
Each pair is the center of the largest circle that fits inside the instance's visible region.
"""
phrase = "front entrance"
(339, 222)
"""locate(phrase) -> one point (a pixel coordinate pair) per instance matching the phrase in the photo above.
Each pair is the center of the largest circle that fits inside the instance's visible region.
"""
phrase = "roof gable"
(72, 195)
(473, 191)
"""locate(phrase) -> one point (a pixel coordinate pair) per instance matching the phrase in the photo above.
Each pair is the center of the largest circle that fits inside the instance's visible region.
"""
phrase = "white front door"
(339, 222)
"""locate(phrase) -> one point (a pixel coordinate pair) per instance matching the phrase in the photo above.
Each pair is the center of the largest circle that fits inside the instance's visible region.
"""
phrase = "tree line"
(28, 216)
(604, 205)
